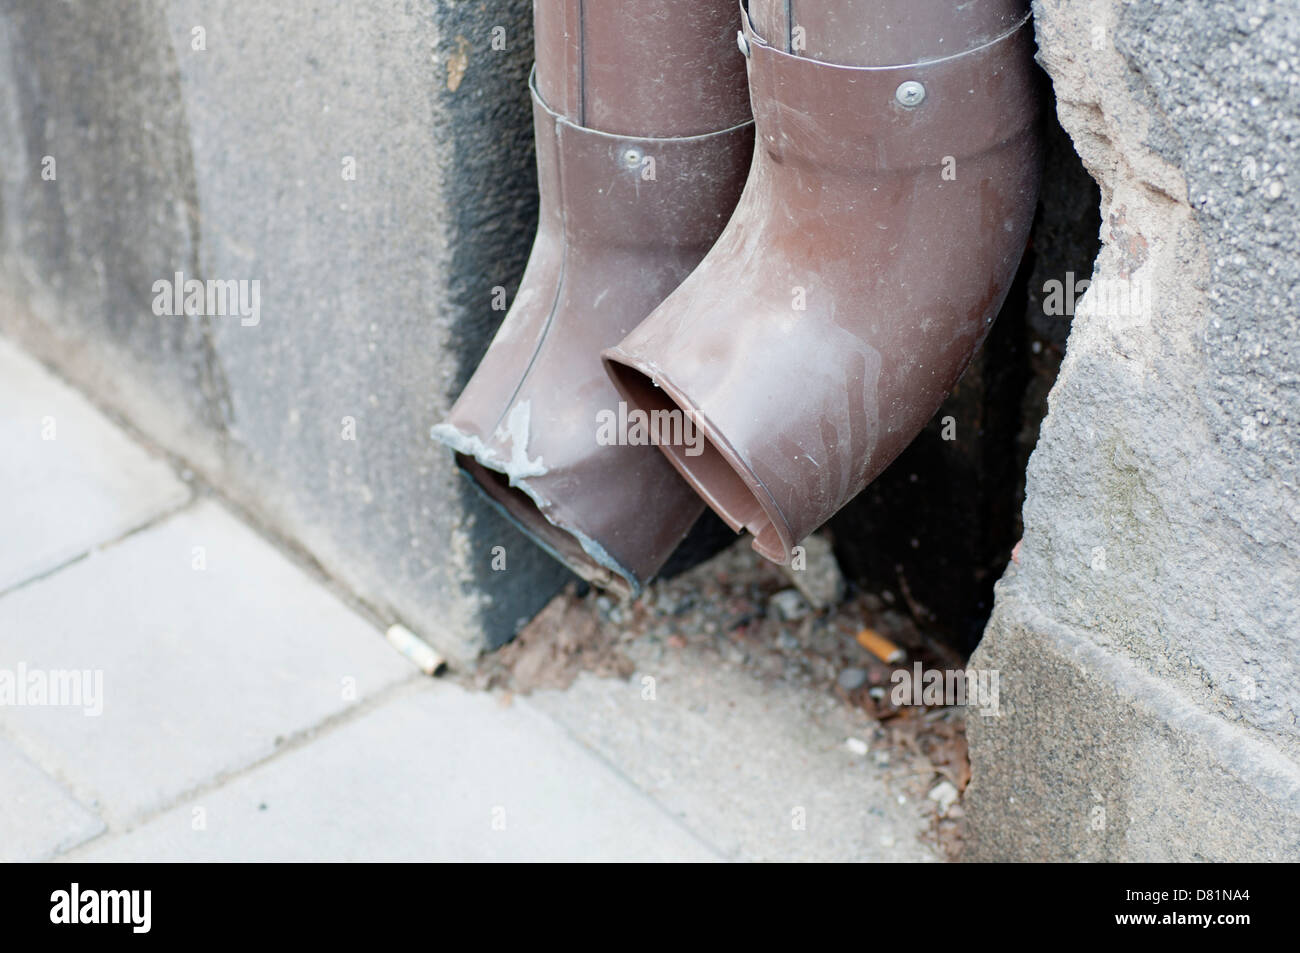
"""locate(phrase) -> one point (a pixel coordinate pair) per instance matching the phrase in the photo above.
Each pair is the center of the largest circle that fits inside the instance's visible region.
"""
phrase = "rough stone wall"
(1147, 639)
(228, 162)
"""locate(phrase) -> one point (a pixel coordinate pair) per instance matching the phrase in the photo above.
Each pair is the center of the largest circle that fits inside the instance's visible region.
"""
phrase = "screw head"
(632, 157)
(910, 94)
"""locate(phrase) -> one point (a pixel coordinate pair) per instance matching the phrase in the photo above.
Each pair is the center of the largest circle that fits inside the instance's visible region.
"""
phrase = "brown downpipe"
(889, 203)
(643, 134)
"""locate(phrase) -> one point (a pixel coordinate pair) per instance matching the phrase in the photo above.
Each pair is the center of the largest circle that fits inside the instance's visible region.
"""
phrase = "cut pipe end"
(507, 489)
(717, 473)
(524, 511)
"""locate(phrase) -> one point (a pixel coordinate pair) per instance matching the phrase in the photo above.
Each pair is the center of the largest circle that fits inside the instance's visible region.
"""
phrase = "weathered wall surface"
(1147, 639)
(232, 161)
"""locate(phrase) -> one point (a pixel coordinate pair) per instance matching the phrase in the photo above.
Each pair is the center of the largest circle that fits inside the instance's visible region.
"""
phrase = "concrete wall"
(228, 162)
(1147, 639)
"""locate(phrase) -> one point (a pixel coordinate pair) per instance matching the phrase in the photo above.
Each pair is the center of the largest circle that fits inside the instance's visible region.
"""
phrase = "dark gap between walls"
(934, 532)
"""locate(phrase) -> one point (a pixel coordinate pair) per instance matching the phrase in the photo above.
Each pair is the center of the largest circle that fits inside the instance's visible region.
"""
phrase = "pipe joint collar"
(905, 116)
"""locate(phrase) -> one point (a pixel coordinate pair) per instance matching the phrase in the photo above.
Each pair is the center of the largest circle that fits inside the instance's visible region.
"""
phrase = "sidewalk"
(174, 687)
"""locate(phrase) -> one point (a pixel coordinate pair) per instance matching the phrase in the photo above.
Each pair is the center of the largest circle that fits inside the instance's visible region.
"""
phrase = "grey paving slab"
(69, 479)
(438, 774)
(38, 818)
(760, 769)
(205, 649)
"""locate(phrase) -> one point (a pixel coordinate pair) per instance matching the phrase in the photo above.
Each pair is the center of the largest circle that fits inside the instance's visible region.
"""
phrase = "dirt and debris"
(740, 610)
(564, 639)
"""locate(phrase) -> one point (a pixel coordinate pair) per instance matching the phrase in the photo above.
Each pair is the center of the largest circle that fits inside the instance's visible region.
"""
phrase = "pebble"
(668, 603)
(944, 794)
(790, 604)
(819, 578)
(851, 679)
(856, 745)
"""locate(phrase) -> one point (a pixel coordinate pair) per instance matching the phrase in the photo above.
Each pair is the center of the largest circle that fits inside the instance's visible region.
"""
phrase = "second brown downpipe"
(643, 138)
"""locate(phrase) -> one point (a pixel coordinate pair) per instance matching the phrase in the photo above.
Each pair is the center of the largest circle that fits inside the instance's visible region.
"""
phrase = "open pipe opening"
(716, 473)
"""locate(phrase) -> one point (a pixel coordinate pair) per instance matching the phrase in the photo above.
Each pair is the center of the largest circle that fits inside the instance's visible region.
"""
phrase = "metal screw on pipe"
(910, 94)
(632, 158)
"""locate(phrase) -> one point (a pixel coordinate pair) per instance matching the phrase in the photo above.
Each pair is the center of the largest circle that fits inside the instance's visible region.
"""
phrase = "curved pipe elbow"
(611, 244)
(882, 223)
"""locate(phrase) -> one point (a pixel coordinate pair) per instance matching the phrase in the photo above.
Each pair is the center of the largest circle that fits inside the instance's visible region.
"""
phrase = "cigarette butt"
(880, 647)
(420, 652)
